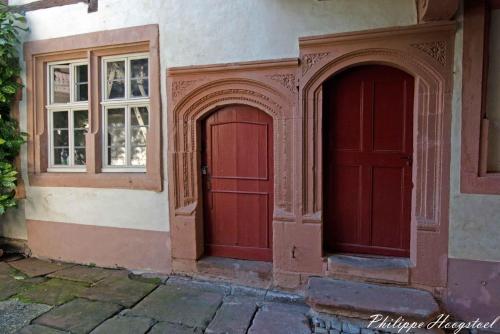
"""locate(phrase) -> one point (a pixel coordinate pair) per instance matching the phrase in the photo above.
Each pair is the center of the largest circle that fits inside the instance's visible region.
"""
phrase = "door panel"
(367, 143)
(238, 184)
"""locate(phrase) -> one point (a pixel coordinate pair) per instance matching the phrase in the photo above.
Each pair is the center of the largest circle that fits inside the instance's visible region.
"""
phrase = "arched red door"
(367, 157)
(237, 170)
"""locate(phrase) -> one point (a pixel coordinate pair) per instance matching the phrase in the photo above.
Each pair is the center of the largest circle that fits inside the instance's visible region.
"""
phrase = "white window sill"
(123, 170)
(66, 170)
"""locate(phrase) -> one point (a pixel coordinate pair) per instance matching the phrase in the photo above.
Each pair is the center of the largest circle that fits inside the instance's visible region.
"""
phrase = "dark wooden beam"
(494, 4)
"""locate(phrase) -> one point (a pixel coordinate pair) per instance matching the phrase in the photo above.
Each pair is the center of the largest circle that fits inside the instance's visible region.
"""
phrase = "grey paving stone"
(234, 316)
(82, 274)
(169, 328)
(120, 290)
(52, 292)
(284, 297)
(276, 318)
(181, 304)
(219, 287)
(241, 290)
(15, 315)
(124, 325)
(33, 267)
(37, 329)
(78, 316)
(5, 269)
(9, 287)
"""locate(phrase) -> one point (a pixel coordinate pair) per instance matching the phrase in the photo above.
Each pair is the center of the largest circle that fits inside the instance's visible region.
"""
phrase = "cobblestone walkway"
(52, 298)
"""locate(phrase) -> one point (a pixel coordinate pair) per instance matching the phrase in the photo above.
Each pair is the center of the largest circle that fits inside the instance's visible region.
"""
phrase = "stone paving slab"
(124, 325)
(169, 328)
(83, 274)
(274, 318)
(5, 269)
(52, 292)
(15, 314)
(33, 267)
(219, 287)
(120, 290)
(234, 316)
(37, 329)
(9, 287)
(181, 304)
(78, 316)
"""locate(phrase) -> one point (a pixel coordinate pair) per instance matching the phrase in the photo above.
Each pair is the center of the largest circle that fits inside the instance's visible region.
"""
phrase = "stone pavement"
(50, 298)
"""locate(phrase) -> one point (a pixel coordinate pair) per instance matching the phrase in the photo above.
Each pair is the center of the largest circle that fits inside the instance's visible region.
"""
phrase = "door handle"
(204, 170)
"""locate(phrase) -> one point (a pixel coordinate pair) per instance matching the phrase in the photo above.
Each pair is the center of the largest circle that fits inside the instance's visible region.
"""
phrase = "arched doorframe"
(185, 154)
(430, 62)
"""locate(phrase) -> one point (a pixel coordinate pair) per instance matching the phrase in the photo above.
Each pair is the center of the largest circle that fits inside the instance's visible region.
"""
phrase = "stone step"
(369, 269)
(361, 300)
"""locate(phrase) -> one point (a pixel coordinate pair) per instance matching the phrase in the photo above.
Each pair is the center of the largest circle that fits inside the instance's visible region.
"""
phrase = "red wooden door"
(238, 183)
(367, 145)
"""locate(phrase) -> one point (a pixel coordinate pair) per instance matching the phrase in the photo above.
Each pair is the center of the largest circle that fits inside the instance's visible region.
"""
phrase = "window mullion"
(71, 81)
(71, 138)
(127, 79)
(51, 139)
(127, 135)
(105, 136)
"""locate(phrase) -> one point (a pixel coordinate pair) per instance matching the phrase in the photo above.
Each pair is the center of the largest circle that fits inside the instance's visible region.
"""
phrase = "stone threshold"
(251, 273)
(361, 300)
(369, 268)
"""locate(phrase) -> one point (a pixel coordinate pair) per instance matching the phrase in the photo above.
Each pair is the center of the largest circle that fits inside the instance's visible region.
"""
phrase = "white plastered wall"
(192, 32)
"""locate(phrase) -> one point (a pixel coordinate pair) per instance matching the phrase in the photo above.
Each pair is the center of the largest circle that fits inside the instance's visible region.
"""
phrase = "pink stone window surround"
(474, 175)
(92, 48)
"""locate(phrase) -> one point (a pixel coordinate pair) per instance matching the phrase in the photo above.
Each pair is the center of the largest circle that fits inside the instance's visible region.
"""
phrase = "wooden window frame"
(92, 47)
(126, 102)
(69, 107)
(474, 177)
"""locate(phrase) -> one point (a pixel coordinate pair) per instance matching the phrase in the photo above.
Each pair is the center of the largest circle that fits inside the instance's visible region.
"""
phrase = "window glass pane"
(81, 74)
(138, 135)
(139, 77)
(80, 156)
(82, 92)
(81, 83)
(139, 116)
(60, 84)
(139, 87)
(138, 157)
(80, 119)
(60, 137)
(139, 68)
(60, 119)
(80, 138)
(61, 156)
(116, 137)
(115, 79)
(116, 156)
(116, 117)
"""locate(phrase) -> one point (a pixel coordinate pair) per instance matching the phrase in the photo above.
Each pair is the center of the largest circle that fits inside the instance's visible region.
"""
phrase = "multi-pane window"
(68, 115)
(126, 112)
